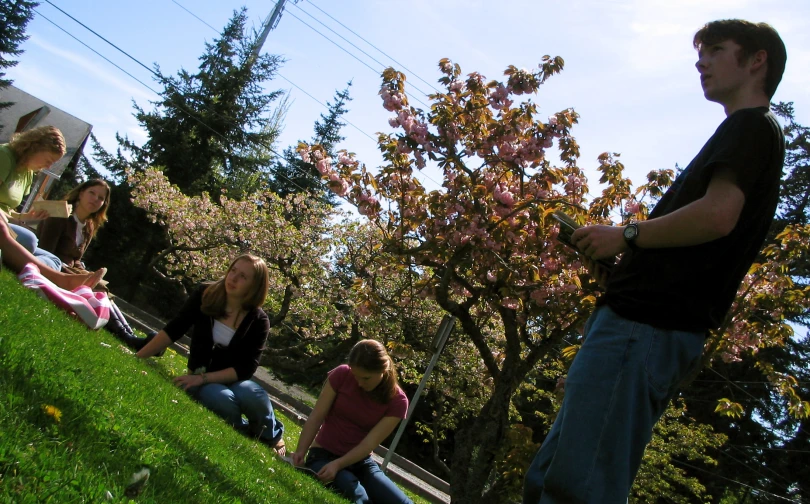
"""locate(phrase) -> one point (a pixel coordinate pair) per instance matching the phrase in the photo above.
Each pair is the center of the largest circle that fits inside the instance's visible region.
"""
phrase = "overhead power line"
(422, 174)
(377, 72)
(198, 18)
(740, 483)
(101, 37)
(411, 72)
(353, 45)
(108, 60)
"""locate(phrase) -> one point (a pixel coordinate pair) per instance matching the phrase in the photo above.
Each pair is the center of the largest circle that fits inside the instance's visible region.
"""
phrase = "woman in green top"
(27, 153)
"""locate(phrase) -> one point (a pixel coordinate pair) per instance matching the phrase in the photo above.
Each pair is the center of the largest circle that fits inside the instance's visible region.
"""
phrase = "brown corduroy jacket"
(57, 235)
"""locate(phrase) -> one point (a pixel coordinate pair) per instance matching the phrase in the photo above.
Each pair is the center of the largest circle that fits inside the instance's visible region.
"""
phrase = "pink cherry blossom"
(631, 207)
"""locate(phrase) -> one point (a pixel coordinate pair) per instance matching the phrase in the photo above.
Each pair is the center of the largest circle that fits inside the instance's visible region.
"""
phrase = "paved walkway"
(294, 402)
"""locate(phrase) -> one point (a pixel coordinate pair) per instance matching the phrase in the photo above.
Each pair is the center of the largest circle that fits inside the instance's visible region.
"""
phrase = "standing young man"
(676, 279)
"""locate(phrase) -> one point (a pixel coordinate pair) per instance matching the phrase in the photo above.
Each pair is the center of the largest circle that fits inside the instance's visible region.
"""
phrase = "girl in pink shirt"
(360, 405)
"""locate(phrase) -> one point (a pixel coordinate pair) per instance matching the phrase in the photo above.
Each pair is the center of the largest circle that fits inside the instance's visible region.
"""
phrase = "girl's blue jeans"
(362, 482)
(243, 397)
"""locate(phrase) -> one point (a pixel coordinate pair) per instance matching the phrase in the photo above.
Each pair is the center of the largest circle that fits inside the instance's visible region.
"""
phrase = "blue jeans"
(243, 397)
(362, 482)
(618, 386)
(29, 241)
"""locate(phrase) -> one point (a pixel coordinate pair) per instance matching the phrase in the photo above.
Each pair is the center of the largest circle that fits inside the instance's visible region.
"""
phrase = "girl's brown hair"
(370, 355)
(97, 218)
(36, 140)
(215, 297)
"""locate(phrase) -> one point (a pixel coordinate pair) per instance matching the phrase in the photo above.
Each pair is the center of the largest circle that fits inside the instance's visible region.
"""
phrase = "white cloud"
(137, 91)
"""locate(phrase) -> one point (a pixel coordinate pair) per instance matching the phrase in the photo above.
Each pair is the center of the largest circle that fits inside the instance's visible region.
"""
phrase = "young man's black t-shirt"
(692, 288)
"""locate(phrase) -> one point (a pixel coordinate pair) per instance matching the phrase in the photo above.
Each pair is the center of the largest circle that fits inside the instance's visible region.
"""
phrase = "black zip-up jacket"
(244, 351)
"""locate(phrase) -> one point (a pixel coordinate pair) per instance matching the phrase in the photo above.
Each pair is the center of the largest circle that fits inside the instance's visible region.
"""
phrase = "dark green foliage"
(14, 17)
(292, 175)
(205, 127)
(795, 197)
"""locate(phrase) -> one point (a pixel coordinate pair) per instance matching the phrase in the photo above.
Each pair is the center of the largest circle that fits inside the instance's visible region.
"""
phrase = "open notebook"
(55, 208)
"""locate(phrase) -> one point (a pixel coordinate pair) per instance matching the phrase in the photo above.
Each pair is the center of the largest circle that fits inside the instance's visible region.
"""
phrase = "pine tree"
(210, 131)
(206, 126)
(293, 175)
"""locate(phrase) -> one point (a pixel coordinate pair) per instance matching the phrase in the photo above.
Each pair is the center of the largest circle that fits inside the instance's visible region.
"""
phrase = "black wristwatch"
(630, 235)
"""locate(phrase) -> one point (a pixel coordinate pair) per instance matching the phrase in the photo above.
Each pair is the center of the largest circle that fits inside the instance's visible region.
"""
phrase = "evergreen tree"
(205, 128)
(210, 131)
(294, 175)
(14, 17)
(795, 197)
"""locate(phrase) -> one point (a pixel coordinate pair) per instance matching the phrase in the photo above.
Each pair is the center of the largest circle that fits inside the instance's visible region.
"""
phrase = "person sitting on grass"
(15, 256)
(359, 406)
(28, 153)
(230, 331)
(68, 237)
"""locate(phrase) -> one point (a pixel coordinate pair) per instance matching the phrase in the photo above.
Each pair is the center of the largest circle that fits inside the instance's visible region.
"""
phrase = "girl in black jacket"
(230, 330)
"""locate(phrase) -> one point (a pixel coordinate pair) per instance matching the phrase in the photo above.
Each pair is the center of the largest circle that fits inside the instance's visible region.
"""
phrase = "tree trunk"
(476, 445)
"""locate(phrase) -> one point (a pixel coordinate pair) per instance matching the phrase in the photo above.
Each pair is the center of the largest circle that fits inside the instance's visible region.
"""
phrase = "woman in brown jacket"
(68, 238)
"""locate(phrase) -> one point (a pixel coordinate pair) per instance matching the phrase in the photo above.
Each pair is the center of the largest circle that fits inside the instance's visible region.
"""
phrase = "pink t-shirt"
(353, 413)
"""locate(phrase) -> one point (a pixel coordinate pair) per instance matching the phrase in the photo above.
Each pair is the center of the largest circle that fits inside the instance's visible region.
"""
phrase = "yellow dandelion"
(52, 411)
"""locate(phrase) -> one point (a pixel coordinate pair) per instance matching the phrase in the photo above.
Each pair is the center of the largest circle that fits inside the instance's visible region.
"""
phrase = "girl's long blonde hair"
(215, 297)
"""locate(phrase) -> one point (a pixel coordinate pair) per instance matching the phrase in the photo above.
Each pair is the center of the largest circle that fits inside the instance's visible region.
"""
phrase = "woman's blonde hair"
(97, 218)
(36, 140)
(371, 355)
(215, 297)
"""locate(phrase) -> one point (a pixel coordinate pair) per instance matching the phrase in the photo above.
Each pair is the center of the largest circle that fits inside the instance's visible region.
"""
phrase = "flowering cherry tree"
(485, 242)
(289, 233)
(487, 238)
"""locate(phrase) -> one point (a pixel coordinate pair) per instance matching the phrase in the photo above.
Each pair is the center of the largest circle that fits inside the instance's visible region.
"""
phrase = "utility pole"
(270, 23)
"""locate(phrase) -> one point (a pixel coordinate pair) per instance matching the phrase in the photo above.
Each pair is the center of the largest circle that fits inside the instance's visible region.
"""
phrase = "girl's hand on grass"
(329, 471)
(186, 381)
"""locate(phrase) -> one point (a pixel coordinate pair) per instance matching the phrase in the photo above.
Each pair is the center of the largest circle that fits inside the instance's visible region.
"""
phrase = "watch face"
(630, 232)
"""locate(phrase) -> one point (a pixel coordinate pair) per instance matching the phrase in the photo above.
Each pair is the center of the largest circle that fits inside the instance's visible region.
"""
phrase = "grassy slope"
(117, 415)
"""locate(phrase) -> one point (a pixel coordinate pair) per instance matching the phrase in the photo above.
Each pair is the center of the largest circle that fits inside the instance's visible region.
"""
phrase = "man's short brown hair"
(751, 37)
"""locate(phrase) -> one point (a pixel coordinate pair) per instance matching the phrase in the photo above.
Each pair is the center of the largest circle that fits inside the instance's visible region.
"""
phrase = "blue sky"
(629, 64)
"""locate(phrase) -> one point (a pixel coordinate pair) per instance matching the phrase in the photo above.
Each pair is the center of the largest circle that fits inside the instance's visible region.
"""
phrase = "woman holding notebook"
(28, 153)
(69, 237)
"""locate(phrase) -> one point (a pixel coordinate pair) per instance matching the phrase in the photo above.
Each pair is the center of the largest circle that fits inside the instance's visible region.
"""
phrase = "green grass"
(116, 415)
